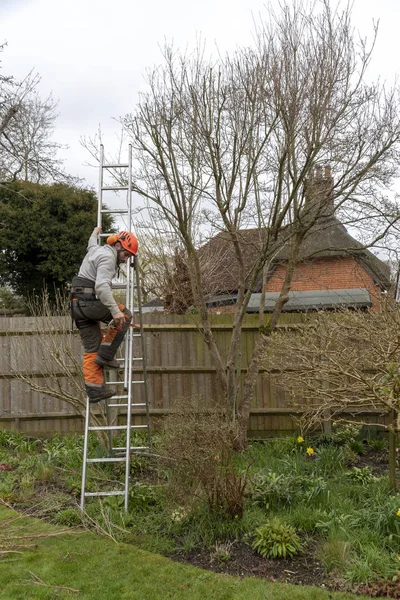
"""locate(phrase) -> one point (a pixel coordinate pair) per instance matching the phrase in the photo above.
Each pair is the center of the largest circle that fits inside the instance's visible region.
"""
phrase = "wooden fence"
(178, 365)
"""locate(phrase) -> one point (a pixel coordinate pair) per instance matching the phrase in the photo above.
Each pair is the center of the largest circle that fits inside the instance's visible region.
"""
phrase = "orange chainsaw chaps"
(92, 373)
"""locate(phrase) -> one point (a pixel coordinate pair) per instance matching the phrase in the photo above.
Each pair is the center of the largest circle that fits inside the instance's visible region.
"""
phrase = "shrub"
(362, 475)
(200, 444)
(276, 540)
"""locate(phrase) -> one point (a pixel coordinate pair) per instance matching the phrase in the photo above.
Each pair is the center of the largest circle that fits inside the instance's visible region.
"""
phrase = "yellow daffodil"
(398, 513)
(310, 451)
(300, 440)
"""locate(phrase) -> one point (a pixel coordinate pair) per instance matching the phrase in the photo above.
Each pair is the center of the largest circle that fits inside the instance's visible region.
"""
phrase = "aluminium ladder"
(124, 399)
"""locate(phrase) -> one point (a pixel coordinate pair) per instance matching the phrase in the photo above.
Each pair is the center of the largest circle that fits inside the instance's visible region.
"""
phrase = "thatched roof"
(327, 238)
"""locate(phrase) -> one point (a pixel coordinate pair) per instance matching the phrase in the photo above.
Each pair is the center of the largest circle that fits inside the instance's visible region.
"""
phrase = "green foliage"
(335, 554)
(357, 447)
(48, 249)
(281, 447)
(143, 496)
(10, 303)
(271, 490)
(330, 460)
(378, 444)
(340, 435)
(69, 516)
(275, 539)
(362, 475)
(303, 517)
(335, 522)
(7, 485)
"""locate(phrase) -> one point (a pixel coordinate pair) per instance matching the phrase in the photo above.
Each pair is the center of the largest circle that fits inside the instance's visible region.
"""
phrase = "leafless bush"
(51, 366)
(201, 441)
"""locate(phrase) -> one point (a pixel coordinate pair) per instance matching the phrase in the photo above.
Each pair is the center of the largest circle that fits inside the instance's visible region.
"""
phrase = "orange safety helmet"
(127, 240)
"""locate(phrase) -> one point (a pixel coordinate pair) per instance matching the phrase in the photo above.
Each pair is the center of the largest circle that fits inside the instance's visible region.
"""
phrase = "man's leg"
(90, 333)
(112, 341)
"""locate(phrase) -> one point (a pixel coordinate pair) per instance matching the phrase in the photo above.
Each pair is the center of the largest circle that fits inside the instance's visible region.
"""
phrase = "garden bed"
(336, 500)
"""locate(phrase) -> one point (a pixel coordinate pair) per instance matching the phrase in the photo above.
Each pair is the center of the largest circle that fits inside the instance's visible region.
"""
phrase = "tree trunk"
(259, 351)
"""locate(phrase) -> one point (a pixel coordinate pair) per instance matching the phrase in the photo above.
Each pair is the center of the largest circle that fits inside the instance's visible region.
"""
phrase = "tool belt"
(83, 289)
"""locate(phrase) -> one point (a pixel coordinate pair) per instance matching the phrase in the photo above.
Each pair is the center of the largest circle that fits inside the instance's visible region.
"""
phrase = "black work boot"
(108, 364)
(100, 394)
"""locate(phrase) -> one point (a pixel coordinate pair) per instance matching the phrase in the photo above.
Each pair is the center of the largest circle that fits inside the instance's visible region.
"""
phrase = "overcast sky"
(92, 54)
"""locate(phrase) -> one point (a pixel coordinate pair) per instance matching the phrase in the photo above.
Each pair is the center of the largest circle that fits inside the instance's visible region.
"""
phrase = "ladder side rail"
(128, 362)
(100, 194)
(143, 348)
(85, 454)
(129, 291)
(128, 300)
(128, 416)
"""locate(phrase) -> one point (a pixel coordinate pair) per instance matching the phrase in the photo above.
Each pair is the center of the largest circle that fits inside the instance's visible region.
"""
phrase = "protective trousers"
(87, 312)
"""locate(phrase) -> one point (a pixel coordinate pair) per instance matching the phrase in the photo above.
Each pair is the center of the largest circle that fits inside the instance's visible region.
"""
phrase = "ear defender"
(112, 239)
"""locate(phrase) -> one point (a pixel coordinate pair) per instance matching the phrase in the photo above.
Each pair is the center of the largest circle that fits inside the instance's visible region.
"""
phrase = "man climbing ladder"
(92, 302)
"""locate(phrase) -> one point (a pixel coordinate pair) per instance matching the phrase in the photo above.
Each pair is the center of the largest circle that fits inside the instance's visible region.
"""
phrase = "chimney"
(318, 194)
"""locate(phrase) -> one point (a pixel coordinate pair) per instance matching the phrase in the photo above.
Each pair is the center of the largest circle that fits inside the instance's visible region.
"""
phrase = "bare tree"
(344, 366)
(234, 143)
(27, 150)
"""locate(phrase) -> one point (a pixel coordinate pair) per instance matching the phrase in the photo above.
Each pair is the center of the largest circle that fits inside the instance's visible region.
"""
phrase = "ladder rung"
(104, 493)
(124, 397)
(132, 448)
(114, 211)
(106, 427)
(122, 382)
(112, 166)
(114, 188)
(124, 405)
(98, 460)
(115, 427)
(118, 286)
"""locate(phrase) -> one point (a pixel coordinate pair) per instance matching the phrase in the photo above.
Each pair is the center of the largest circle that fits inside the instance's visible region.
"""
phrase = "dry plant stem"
(101, 529)
(37, 581)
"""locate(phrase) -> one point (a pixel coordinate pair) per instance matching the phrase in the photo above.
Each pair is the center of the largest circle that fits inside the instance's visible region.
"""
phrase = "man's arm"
(93, 240)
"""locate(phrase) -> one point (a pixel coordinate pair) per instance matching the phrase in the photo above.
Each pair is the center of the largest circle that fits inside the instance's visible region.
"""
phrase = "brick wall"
(327, 274)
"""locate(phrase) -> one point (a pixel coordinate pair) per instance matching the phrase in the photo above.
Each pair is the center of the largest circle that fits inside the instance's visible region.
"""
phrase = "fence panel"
(178, 361)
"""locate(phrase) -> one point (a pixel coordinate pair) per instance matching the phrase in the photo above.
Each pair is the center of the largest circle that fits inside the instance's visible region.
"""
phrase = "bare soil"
(244, 562)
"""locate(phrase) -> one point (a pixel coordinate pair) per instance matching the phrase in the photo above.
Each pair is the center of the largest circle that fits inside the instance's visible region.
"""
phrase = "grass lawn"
(101, 569)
